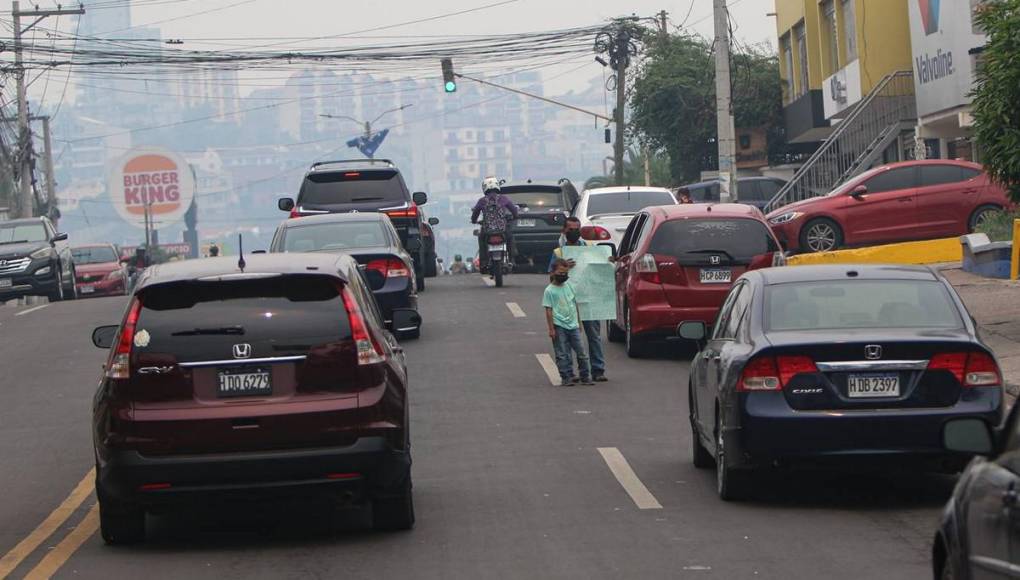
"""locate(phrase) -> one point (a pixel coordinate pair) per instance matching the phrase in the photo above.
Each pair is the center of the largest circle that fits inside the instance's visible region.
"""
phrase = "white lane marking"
(489, 282)
(549, 366)
(516, 310)
(628, 479)
(30, 310)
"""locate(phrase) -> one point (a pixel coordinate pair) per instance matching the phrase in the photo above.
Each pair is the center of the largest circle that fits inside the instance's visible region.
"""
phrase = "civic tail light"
(369, 351)
(974, 369)
(389, 268)
(595, 233)
(408, 212)
(647, 269)
(766, 373)
(119, 366)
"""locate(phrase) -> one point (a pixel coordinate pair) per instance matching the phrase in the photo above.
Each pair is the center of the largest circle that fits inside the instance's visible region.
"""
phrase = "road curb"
(926, 252)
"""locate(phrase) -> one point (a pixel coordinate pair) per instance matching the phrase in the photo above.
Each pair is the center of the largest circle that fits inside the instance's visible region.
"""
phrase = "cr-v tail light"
(647, 269)
(766, 373)
(595, 233)
(973, 369)
(119, 366)
(408, 212)
(369, 351)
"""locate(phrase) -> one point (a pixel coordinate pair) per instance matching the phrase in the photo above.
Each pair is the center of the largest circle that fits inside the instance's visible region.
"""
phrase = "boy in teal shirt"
(561, 314)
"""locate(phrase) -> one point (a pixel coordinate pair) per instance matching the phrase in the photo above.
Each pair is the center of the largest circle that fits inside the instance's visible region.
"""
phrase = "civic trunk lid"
(869, 370)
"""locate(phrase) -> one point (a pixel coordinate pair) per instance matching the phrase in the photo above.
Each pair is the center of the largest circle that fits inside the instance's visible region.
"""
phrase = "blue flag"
(369, 146)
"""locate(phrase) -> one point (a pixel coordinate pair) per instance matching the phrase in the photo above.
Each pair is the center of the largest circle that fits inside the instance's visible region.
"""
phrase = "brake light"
(760, 374)
(647, 269)
(496, 239)
(791, 366)
(369, 351)
(119, 366)
(409, 212)
(388, 268)
(975, 369)
(352, 174)
(595, 233)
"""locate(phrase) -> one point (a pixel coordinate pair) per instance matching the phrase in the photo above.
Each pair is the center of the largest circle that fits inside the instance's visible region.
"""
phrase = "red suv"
(678, 262)
(277, 376)
(913, 200)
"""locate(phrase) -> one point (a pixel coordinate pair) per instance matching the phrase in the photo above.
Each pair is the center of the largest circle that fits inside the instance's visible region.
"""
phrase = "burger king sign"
(154, 177)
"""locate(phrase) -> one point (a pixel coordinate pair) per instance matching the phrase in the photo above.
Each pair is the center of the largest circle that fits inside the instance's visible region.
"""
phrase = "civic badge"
(242, 351)
(873, 352)
(715, 260)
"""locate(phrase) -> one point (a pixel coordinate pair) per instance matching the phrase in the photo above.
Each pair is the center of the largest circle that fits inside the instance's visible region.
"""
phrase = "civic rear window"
(835, 305)
(740, 240)
(342, 187)
(277, 315)
(334, 236)
(627, 202)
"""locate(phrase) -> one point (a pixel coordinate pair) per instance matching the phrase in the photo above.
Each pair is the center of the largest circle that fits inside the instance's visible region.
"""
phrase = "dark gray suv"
(35, 260)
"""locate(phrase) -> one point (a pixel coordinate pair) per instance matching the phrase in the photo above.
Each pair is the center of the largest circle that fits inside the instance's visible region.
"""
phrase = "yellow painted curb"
(926, 252)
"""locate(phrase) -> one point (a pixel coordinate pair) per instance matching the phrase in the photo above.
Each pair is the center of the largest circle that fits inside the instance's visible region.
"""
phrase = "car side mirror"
(859, 191)
(406, 322)
(103, 336)
(970, 436)
(692, 330)
(60, 237)
(420, 198)
(433, 221)
(413, 245)
(610, 245)
(285, 204)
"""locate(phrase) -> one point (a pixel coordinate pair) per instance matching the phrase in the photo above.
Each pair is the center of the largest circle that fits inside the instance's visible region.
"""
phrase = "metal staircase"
(858, 141)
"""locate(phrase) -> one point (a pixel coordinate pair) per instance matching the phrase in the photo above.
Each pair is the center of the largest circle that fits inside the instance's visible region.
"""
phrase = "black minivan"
(364, 185)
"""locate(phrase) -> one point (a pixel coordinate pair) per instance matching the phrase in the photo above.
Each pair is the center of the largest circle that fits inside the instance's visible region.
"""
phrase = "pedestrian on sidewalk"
(592, 328)
(561, 315)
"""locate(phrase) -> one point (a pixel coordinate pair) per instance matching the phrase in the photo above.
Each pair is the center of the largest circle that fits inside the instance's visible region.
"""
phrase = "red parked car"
(99, 271)
(913, 200)
(677, 263)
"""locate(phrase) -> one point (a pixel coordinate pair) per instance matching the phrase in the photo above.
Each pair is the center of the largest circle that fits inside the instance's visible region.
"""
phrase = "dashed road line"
(516, 310)
(30, 310)
(59, 555)
(549, 366)
(628, 479)
(81, 492)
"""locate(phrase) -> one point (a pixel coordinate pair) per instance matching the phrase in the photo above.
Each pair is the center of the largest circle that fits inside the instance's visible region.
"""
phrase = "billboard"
(151, 177)
(942, 36)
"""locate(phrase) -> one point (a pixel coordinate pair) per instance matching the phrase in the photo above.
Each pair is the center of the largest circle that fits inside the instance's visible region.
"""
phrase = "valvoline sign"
(929, 15)
(156, 178)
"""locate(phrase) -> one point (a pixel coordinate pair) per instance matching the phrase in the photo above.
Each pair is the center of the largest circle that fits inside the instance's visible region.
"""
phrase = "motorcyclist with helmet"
(494, 208)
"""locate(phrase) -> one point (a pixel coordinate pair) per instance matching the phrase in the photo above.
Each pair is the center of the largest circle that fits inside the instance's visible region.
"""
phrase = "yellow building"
(832, 54)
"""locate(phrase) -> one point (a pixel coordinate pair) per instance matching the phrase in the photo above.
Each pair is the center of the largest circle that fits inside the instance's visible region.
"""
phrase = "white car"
(605, 212)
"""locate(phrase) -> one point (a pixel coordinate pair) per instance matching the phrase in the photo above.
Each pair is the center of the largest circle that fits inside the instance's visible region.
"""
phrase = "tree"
(673, 101)
(997, 94)
(634, 172)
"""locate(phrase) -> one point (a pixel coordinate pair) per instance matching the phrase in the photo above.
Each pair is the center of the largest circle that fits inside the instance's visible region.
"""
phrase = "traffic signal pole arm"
(534, 96)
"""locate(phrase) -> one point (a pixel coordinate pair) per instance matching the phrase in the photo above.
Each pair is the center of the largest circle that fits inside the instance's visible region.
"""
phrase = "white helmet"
(490, 184)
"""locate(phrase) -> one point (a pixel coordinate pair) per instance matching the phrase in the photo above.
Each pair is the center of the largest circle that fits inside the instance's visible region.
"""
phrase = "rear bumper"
(367, 467)
(535, 244)
(102, 288)
(769, 430)
(660, 320)
(396, 293)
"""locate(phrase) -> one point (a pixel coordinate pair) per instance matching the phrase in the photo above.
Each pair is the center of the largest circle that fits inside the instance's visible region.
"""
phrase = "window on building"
(849, 29)
(831, 34)
(745, 141)
(802, 54)
(788, 66)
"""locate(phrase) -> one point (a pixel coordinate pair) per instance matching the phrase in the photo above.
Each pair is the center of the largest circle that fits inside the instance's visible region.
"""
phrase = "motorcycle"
(497, 259)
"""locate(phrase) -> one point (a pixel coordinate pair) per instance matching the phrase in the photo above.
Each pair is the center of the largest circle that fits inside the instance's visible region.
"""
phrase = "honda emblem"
(715, 260)
(873, 352)
(242, 351)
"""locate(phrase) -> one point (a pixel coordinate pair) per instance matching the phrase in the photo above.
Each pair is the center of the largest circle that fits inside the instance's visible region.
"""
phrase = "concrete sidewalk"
(995, 304)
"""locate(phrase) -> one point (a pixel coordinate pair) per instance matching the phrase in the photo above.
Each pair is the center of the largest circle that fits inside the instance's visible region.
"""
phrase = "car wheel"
(614, 332)
(821, 235)
(72, 293)
(636, 347)
(119, 524)
(395, 513)
(731, 484)
(948, 571)
(701, 457)
(58, 293)
(980, 215)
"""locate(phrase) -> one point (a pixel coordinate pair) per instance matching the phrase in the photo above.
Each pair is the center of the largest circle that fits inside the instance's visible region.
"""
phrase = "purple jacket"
(504, 202)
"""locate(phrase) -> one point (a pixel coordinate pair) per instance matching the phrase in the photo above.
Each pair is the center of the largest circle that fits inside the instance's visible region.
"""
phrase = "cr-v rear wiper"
(354, 199)
(210, 331)
(724, 252)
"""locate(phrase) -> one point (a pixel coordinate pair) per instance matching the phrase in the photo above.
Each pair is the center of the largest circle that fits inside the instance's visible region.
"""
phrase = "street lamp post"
(368, 124)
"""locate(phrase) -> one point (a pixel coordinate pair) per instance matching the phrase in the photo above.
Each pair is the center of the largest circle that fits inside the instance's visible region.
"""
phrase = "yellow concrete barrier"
(926, 252)
(1014, 266)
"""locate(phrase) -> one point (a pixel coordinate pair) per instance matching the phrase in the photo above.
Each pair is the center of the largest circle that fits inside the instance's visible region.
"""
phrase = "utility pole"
(663, 23)
(51, 185)
(26, 205)
(724, 106)
(618, 42)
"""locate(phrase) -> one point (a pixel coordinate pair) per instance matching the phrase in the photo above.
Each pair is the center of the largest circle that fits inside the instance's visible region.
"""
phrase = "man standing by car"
(592, 328)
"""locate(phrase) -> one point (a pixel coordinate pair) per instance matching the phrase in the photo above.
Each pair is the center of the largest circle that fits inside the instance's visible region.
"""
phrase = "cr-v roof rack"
(369, 161)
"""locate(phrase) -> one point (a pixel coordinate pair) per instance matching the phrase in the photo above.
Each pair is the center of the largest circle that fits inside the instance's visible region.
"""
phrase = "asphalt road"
(514, 478)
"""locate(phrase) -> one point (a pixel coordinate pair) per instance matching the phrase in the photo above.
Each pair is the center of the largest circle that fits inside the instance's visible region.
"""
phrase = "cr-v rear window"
(277, 316)
(340, 187)
(741, 239)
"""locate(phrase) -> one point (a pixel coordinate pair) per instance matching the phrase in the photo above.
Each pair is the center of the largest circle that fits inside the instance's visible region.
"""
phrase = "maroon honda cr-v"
(274, 376)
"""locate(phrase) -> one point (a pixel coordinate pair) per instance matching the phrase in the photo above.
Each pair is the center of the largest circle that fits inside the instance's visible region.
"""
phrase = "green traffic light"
(451, 87)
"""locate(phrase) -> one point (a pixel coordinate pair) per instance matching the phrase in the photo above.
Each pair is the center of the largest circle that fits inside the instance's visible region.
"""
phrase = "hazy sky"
(222, 19)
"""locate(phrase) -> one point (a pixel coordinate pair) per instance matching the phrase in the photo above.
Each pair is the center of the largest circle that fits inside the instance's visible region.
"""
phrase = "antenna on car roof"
(240, 250)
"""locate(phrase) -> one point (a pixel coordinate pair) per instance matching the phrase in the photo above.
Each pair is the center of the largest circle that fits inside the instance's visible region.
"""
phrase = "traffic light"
(449, 80)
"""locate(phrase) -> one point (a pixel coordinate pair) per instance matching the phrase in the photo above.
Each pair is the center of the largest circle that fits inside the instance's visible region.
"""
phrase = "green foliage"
(634, 172)
(999, 226)
(997, 96)
(673, 101)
